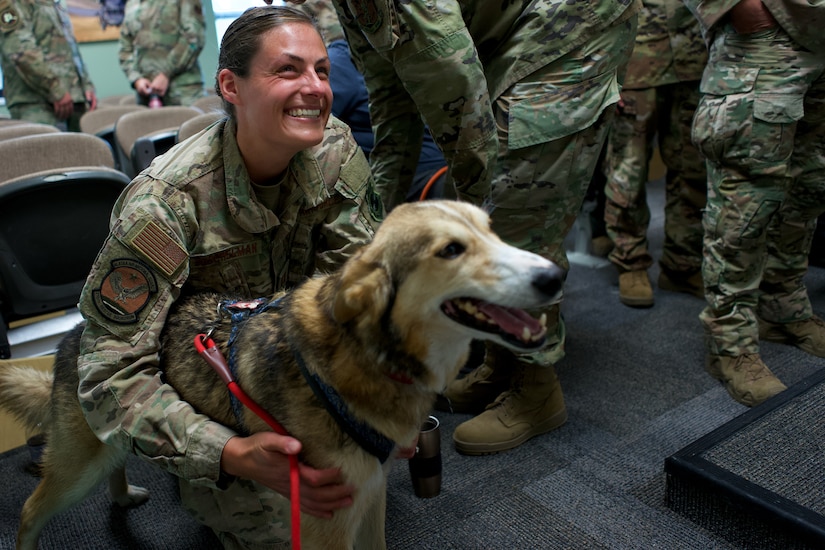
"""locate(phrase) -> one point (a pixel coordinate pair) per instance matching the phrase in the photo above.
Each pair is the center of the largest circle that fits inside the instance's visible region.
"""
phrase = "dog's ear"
(364, 290)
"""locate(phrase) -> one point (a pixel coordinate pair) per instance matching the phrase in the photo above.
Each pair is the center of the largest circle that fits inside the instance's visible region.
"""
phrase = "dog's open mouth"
(513, 325)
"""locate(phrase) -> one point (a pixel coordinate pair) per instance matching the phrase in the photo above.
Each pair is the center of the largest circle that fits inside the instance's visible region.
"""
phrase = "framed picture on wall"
(86, 21)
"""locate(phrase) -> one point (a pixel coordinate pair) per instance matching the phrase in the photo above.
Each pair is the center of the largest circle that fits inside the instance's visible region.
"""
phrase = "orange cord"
(430, 182)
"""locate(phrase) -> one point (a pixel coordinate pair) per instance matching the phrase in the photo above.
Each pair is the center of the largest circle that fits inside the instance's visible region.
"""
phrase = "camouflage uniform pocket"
(544, 112)
(721, 124)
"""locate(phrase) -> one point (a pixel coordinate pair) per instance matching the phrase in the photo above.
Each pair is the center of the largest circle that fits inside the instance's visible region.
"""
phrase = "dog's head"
(438, 274)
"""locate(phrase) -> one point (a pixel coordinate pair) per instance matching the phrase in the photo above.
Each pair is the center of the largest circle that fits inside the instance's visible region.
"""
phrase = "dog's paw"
(134, 496)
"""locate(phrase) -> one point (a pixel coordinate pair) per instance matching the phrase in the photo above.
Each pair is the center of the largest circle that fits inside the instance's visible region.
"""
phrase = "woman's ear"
(228, 84)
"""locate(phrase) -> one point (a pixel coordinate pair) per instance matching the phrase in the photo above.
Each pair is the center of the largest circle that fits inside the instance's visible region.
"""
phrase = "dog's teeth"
(543, 320)
(526, 335)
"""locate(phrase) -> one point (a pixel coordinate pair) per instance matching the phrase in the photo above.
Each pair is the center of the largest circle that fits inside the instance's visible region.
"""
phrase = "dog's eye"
(452, 250)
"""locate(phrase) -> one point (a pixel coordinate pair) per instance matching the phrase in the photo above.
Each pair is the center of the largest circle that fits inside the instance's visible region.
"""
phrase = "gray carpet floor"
(636, 393)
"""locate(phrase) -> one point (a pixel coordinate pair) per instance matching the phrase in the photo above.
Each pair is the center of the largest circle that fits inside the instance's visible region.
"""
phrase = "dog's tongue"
(510, 319)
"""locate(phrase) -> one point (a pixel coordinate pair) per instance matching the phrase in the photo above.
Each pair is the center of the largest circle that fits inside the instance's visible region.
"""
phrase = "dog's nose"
(549, 280)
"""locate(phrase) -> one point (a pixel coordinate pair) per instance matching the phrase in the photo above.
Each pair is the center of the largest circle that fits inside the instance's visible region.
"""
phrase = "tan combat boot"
(473, 392)
(807, 335)
(635, 289)
(533, 405)
(747, 379)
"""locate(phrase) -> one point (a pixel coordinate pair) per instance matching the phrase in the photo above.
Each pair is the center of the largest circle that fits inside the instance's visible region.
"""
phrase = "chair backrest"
(198, 123)
(52, 225)
(147, 147)
(92, 122)
(29, 154)
(5, 121)
(209, 103)
(119, 99)
(30, 129)
(101, 122)
(131, 126)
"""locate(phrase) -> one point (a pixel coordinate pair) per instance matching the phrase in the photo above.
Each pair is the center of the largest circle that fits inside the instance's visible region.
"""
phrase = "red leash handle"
(211, 354)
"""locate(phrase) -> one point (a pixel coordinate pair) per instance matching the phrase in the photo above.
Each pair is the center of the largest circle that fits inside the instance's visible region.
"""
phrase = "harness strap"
(362, 433)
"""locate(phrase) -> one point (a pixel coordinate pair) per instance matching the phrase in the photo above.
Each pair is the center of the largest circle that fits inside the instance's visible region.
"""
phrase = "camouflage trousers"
(538, 189)
(667, 112)
(43, 113)
(244, 516)
(761, 126)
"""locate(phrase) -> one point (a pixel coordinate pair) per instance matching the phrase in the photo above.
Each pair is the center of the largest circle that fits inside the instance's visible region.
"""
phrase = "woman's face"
(286, 99)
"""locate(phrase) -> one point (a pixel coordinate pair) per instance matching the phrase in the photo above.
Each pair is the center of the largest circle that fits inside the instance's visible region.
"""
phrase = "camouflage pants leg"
(629, 148)
(543, 171)
(763, 140)
(686, 178)
(43, 113)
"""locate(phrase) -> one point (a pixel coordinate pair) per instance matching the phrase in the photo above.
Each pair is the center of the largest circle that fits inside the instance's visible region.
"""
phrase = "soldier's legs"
(537, 193)
(629, 148)
(747, 133)
(686, 179)
(626, 213)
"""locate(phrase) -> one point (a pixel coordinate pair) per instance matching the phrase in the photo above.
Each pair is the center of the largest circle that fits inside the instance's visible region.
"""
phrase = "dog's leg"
(371, 534)
(123, 493)
(74, 464)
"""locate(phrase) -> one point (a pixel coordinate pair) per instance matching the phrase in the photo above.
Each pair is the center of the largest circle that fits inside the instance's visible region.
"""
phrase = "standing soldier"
(517, 95)
(44, 78)
(761, 126)
(659, 97)
(160, 41)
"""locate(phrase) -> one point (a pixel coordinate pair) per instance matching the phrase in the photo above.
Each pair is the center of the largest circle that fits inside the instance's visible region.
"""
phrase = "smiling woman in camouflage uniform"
(160, 41)
(251, 206)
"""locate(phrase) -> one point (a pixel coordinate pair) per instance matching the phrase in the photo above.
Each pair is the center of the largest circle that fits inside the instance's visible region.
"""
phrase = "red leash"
(212, 355)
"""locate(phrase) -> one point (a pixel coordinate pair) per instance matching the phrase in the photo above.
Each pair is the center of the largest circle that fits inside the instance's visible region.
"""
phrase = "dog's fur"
(391, 313)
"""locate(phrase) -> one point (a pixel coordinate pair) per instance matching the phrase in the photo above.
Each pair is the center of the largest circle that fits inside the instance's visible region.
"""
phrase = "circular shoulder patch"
(125, 291)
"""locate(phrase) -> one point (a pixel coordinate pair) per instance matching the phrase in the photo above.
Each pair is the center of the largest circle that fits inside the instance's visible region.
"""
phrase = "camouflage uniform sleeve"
(191, 39)
(354, 224)
(126, 54)
(710, 13)
(135, 280)
(19, 44)
(407, 78)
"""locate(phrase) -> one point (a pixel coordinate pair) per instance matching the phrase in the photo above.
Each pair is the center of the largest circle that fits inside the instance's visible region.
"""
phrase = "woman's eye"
(452, 250)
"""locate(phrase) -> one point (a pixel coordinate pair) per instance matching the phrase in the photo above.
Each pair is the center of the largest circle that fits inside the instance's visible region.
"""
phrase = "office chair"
(198, 123)
(158, 126)
(28, 129)
(209, 103)
(101, 123)
(52, 225)
(29, 154)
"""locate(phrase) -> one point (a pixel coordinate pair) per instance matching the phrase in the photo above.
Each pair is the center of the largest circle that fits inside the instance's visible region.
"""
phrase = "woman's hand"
(263, 457)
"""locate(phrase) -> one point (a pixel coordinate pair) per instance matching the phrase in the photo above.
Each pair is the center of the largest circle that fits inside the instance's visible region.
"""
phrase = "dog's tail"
(26, 392)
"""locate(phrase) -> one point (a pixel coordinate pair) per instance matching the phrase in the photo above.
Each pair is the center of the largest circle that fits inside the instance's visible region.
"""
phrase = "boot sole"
(480, 449)
(636, 302)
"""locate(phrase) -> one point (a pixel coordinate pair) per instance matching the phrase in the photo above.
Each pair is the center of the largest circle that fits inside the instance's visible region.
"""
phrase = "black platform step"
(759, 480)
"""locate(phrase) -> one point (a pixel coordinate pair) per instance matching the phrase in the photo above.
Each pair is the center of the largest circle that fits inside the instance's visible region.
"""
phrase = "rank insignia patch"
(125, 291)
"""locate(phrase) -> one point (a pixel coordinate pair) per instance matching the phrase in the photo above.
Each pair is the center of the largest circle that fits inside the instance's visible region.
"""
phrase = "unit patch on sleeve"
(125, 291)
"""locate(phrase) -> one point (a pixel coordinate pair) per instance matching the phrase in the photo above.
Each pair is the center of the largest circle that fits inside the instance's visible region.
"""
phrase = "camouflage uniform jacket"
(668, 49)
(158, 36)
(191, 222)
(447, 61)
(803, 20)
(38, 53)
